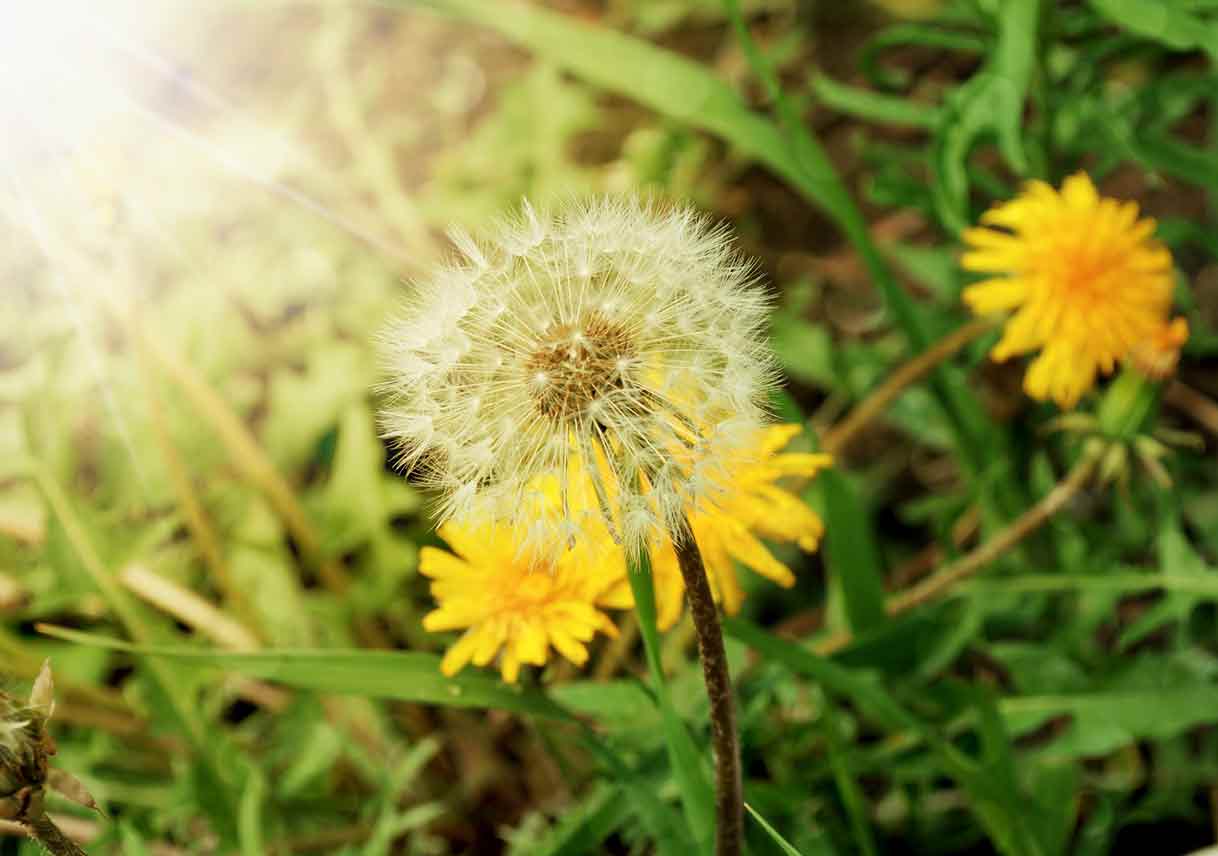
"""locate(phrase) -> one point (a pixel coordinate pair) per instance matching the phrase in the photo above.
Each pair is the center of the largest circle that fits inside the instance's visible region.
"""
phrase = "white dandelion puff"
(615, 345)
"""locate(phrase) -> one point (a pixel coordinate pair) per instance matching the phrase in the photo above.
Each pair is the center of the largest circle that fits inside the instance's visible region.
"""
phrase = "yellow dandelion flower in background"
(1083, 276)
(754, 505)
(516, 605)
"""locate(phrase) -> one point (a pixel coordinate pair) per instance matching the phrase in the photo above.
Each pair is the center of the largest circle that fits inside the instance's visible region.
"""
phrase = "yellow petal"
(751, 552)
(458, 656)
(436, 563)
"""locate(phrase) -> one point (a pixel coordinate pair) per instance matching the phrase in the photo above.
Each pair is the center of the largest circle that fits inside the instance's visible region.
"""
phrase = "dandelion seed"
(614, 334)
(1085, 279)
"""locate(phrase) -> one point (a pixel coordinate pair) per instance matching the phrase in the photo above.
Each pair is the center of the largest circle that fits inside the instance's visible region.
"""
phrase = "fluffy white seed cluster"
(616, 346)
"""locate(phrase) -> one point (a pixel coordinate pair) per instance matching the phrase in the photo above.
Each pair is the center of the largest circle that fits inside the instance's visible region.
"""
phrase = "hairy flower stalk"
(729, 786)
(616, 348)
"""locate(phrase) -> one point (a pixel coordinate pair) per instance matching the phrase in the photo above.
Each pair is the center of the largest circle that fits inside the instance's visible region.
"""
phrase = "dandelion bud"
(25, 747)
(614, 342)
(25, 772)
(1158, 356)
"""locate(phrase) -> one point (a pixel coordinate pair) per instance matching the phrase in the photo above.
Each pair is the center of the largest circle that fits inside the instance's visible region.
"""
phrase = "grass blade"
(847, 787)
(214, 776)
(785, 846)
(852, 553)
(403, 675)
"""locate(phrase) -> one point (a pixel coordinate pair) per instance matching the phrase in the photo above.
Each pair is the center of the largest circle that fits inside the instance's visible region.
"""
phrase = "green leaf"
(1178, 559)
(922, 35)
(804, 349)
(666, 828)
(992, 101)
(133, 844)
(249, 820)
(303, 406)
(696, 795)
(1053, 787)
(354, 504)
(402, 675)
(851, 551)
(625, 701)
(1166, 23)
(872, 106)
(934, 267)
(584, 828)
(992, 804)
(868, 694)
(1102, 722)
(847, 786)
(995, 790)
(662, 80)
(391, 822)
(214, 769)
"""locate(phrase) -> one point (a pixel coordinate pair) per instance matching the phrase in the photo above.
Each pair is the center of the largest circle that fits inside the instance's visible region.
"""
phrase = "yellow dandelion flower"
(753, 506)
(518, 604)
(1083, 276)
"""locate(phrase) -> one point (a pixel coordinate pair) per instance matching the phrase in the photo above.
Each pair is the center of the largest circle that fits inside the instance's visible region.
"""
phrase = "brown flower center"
(576, 364)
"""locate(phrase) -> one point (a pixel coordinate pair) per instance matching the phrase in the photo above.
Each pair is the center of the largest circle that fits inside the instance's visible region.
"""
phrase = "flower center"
(1084, 272)
(575, 365)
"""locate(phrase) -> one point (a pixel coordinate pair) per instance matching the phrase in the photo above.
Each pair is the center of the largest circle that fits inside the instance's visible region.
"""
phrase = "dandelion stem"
(43, 830)
(1200, 407)
(1023, 526)
(839, 437)
(729, 790)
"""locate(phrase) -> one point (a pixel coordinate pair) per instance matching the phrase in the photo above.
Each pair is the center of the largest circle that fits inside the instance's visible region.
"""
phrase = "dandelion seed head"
(617, 334)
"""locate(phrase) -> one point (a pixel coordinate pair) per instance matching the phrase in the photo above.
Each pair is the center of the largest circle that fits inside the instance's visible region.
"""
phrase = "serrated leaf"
(584, 827)
(1101, 722)
(992, 101)
(1178, 559)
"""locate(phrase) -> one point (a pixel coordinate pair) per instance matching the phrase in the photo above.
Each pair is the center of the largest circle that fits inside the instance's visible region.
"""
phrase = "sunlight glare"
(61, 62)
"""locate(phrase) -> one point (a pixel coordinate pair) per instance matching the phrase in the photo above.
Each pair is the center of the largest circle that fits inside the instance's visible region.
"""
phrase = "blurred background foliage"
(189, 455)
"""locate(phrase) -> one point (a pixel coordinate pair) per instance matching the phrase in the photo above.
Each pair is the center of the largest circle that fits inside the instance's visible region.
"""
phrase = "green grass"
(1062, 700)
